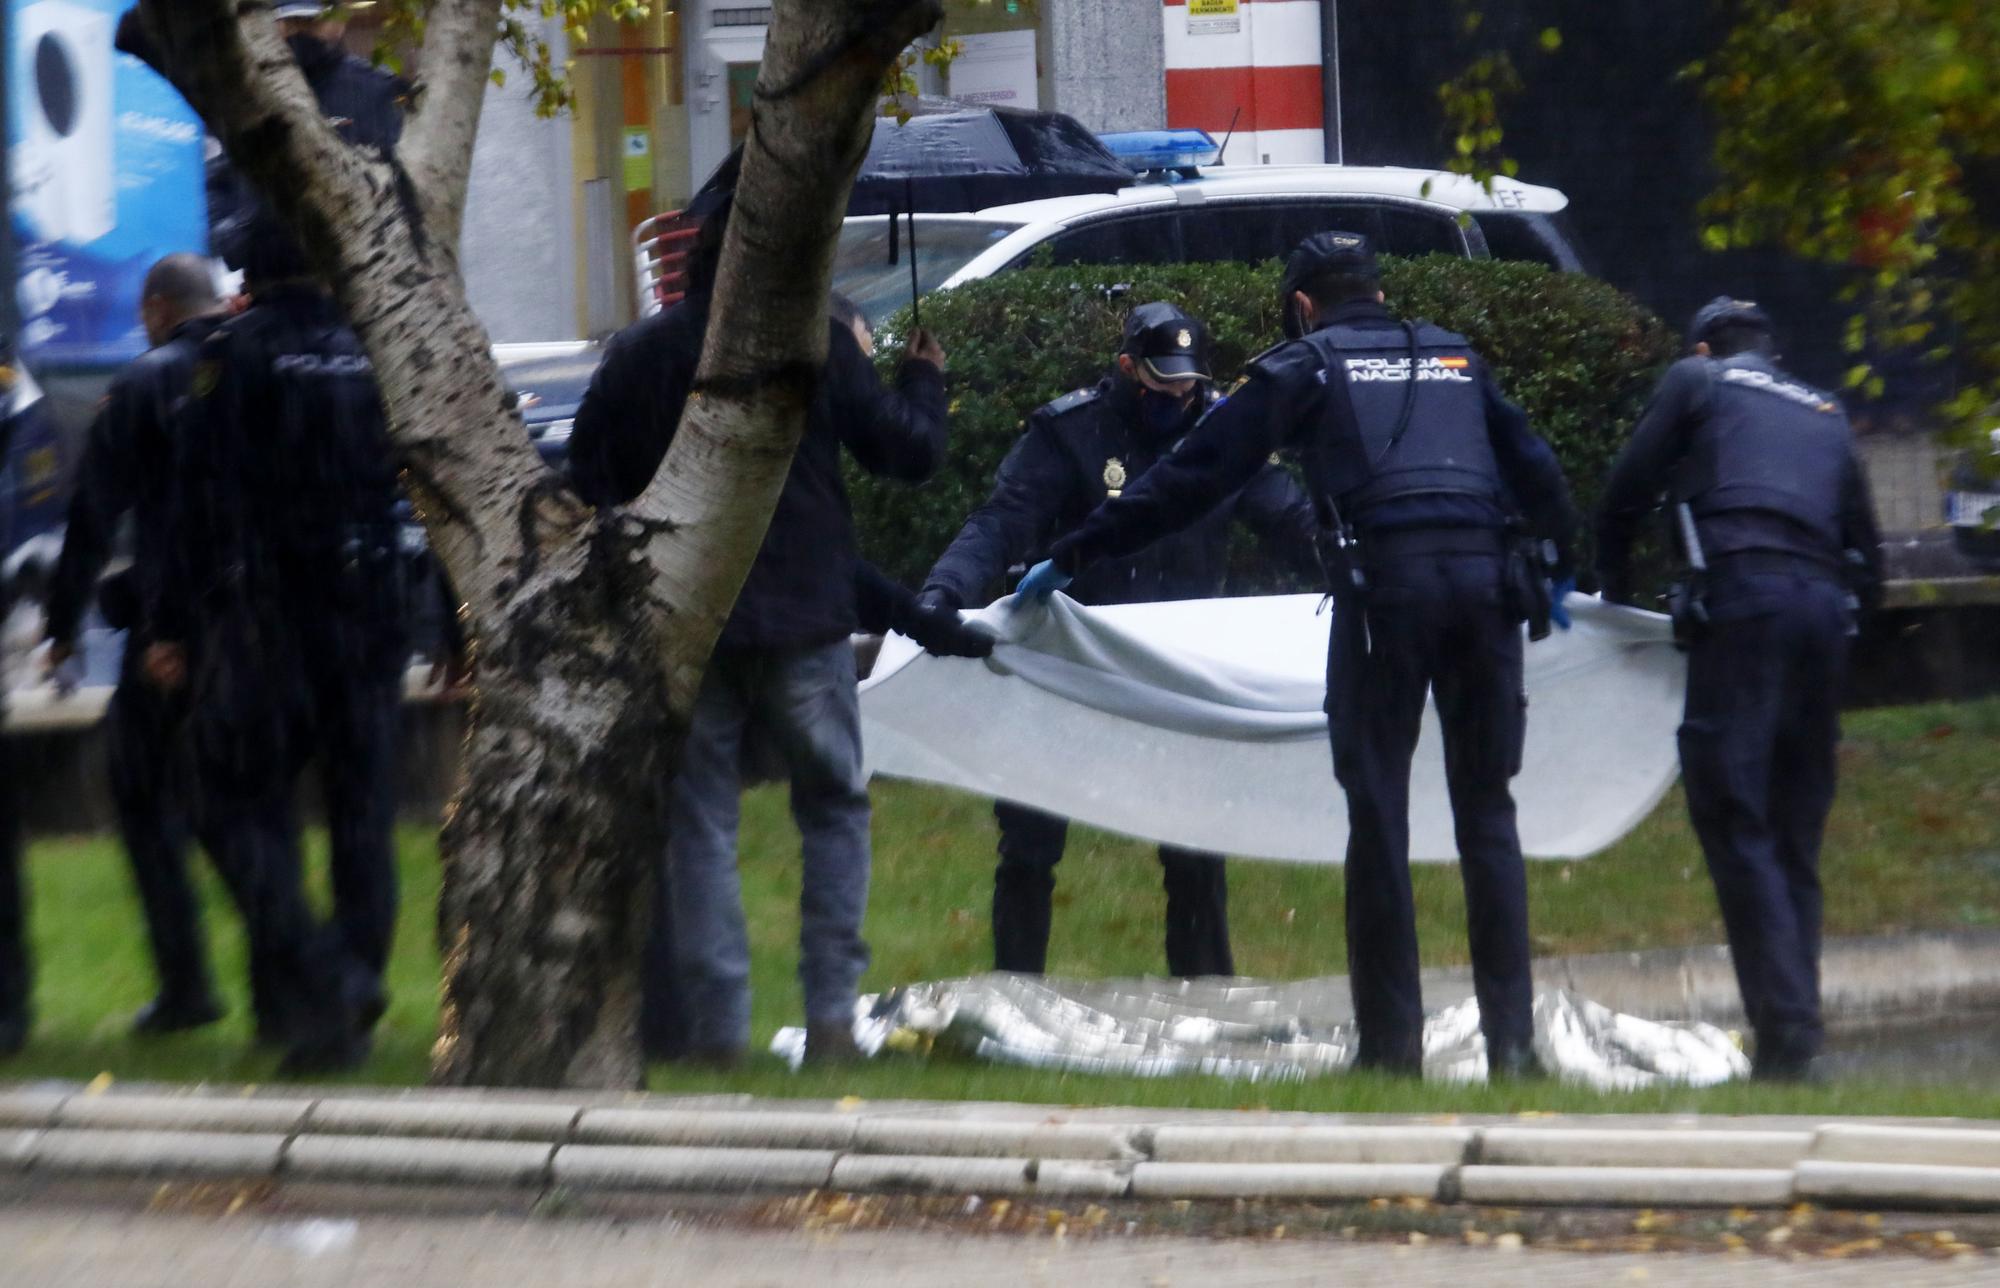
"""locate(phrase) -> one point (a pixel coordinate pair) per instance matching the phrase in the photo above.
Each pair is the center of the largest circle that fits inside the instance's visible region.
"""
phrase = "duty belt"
(1417, 542)
(1749, 563)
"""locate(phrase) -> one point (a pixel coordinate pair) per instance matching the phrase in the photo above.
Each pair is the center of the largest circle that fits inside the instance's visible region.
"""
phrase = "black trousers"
(304, 974)
(1430, 624)
(150, 783)
(1031, 845)
(1758, 757)
(15, 978)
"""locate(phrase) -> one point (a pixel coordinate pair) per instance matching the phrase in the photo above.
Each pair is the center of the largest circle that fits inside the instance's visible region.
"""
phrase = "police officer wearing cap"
(1078, 450)
(1417, 467)
(1773, 515)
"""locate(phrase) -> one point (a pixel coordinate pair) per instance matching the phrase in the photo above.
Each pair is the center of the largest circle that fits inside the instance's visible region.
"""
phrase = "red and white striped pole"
(1262, 56)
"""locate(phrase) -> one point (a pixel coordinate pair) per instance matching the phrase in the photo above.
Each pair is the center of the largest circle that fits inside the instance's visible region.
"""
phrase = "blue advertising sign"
(104, 173)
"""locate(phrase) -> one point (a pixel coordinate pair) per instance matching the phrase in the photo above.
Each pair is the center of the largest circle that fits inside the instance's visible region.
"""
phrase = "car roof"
(1441, 188)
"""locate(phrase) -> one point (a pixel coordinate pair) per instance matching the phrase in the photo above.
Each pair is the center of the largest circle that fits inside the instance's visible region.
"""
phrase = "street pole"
(1329, 80)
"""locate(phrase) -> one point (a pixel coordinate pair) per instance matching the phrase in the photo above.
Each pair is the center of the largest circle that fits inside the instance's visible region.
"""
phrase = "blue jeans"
(804, 703)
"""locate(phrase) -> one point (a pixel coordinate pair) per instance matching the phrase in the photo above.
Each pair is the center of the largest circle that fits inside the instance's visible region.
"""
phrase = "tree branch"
(436, 150)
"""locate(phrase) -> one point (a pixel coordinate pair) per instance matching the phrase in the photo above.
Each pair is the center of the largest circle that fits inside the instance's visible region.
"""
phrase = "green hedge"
(1577, 354)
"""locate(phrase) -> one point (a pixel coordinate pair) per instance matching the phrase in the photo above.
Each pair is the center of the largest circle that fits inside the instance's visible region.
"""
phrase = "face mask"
(1161, 414)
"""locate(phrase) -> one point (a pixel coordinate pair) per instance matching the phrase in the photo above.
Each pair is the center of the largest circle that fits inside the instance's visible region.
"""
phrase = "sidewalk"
(518, 1144)
(60, 1249)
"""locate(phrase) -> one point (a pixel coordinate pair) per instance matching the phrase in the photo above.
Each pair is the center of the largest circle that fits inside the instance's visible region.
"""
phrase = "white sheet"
(1199, 723)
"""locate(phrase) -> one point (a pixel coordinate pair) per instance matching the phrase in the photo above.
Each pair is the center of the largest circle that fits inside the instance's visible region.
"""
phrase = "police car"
(1183, 208)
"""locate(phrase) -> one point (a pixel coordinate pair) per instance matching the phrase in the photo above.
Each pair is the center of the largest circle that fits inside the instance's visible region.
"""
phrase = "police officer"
(1078, 450)
(20, 403)
(783, 667)
(1771, 502)
(282, 607)
(126, 463)
(1417, 466)
(364, 104)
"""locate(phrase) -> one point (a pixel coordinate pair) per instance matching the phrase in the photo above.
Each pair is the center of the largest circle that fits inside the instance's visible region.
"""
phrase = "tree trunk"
(591, 631)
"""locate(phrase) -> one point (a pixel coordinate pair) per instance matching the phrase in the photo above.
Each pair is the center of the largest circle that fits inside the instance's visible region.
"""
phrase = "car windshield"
(862, 271)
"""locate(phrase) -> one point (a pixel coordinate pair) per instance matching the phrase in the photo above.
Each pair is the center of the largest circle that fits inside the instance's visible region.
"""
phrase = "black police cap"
(1726, 311)
(1172, 345)
(1328, 254)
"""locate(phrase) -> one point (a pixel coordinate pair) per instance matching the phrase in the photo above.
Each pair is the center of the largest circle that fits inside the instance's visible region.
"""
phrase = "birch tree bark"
(591, 630)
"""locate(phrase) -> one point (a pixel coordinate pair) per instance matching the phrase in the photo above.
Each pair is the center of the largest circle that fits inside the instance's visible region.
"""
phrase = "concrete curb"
(1288, 1180)
(641, 1167)
(1595, 1147)
(1627, 1186)
(508, 1141)
(1885, 1184)
(390, 1160)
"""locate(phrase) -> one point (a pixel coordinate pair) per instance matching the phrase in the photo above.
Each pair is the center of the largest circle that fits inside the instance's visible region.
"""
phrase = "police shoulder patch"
(207, 375)
(1072, 400)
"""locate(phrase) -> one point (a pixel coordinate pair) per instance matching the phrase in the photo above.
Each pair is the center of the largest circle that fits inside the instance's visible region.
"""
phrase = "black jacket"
(125, 468)
(1080, 449)
(800, 592)
(1650, 466)
(1282, 404)
(283, 495)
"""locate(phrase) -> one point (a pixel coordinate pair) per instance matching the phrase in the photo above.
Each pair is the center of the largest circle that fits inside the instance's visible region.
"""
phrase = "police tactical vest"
(1444, 447)
(1770, 444)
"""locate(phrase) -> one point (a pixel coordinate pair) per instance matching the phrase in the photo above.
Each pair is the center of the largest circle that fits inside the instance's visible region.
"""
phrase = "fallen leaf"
(98, 1085)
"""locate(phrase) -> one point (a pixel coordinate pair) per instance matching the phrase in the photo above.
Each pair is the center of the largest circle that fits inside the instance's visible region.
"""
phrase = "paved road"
(65, 1247)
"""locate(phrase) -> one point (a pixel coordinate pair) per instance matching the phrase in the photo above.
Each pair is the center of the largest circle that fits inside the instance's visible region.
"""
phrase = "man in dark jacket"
(1078, 450)
(21, 403)
(282, 608)
(1779, 531)
(125, 469)
(1417, 466)
(783, 665)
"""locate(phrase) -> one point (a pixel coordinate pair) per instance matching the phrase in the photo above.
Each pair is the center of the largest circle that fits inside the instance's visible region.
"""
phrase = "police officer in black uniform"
(1078, 450)
(1417, 466)
(20, 403)
(282, 608)
(125, 467)
(364, 104)
(1774, 517)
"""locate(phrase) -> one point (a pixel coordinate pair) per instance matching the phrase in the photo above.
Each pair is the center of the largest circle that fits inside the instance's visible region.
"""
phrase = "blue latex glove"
(1559, 590)
(1043, 580)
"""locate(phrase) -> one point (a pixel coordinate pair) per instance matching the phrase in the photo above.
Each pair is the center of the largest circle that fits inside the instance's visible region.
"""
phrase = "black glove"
(934, 623)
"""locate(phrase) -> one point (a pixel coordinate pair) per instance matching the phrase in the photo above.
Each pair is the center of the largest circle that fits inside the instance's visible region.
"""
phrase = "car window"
(1251, 232)
(878, 285)
(1523, 235)
(1151, 238)
(1243, 232)
(1409, 231)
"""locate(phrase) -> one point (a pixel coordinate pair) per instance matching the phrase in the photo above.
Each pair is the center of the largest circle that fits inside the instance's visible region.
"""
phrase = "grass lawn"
(1914, 844)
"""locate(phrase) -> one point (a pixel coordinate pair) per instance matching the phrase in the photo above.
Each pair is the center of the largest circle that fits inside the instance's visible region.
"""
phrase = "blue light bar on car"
(1148, 150)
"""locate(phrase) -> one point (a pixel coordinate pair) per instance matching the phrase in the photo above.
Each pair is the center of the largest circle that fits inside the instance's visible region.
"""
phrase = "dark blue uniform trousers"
(1757, 754)
(1430, 624)
(1032, 844)
(14, 977)
(150, 783)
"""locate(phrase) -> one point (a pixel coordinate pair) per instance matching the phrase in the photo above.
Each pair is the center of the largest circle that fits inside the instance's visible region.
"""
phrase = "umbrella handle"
(916, 313)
